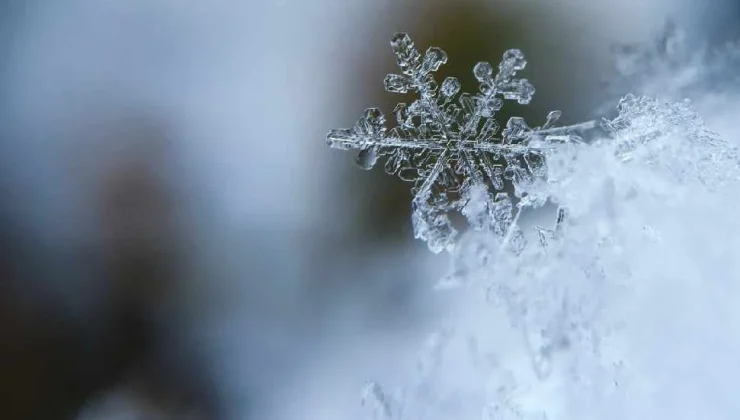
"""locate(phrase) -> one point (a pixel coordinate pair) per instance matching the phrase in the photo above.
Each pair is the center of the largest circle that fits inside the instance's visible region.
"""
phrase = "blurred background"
(177, 241)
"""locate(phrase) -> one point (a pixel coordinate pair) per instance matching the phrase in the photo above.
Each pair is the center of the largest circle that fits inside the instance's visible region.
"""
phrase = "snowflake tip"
(514, 59)
(433, 60)
(483, 71)
(406, 53)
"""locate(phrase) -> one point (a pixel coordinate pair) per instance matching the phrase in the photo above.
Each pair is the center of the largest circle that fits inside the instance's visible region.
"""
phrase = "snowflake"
(448, 144)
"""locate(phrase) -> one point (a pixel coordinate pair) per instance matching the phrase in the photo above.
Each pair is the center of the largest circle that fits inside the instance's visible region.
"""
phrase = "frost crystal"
(448, 143)
(649, 129)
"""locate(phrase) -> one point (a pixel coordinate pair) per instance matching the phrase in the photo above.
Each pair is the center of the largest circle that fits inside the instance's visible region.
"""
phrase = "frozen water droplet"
(483, 71)
(367, 158)
(450, 87)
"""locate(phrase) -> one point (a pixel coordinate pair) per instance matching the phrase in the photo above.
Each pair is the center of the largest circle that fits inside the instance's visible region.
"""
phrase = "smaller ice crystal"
(658, 131)
(447, 143)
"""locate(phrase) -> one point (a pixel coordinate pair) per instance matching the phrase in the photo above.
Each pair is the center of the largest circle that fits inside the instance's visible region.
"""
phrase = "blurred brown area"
(53, 366)
(139, 230)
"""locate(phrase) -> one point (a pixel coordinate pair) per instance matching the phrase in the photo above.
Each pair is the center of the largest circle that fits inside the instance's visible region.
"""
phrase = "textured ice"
(624, 308)
(604, 320)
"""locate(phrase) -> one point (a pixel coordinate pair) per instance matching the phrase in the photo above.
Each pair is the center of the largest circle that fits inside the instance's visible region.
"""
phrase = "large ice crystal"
(448, 143)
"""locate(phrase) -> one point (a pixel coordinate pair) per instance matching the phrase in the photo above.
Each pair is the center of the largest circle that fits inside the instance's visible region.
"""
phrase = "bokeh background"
(177, 241)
